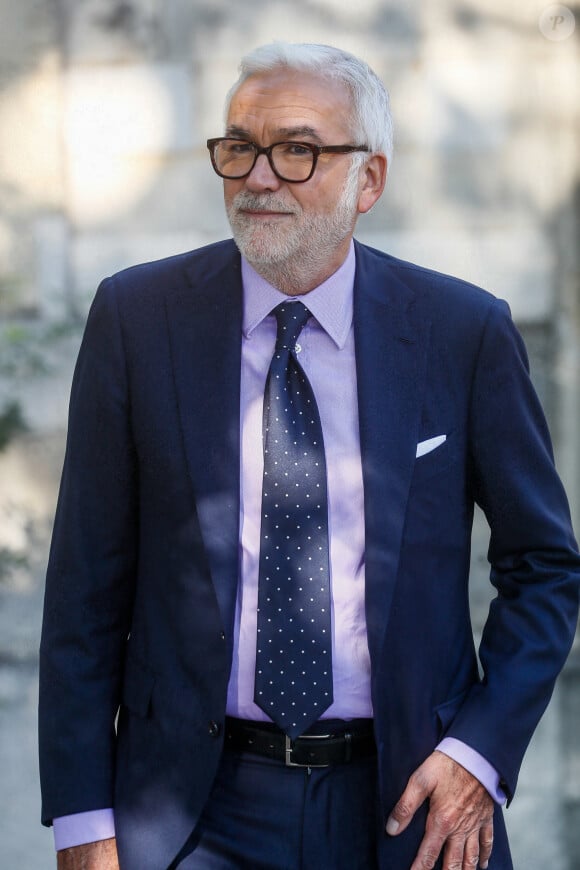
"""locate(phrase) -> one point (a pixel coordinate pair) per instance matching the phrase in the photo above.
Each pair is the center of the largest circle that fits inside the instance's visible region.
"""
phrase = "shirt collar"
(331, 302)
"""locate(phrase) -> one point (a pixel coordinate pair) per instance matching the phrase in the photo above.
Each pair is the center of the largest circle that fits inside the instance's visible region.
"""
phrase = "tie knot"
(291, 317)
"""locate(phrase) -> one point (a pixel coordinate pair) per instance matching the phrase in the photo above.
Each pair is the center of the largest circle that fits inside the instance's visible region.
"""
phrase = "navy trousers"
(262, 815)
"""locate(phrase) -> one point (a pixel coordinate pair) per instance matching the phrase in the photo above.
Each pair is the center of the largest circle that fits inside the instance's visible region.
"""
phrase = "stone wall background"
(105, 106)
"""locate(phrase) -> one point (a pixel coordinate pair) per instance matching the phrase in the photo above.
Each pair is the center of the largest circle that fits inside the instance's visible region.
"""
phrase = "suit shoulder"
(434, 288)
(170, 271)
(143, 298)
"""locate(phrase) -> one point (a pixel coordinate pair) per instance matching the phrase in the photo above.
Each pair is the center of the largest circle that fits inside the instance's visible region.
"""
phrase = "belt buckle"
(289, 747)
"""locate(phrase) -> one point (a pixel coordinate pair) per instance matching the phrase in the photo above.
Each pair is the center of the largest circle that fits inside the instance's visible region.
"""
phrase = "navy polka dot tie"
(294, 648)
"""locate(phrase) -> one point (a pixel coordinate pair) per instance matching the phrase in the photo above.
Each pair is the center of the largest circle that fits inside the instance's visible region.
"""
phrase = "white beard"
(289, 252)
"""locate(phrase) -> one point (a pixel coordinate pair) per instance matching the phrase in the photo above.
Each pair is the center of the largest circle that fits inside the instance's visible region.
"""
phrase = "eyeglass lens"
(291, 160)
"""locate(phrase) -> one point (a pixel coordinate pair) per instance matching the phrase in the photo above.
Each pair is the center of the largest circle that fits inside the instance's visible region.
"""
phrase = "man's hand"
(101, 855)
(460, 818)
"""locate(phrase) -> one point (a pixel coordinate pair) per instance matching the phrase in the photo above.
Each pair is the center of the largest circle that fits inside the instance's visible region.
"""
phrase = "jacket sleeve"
(90, 577)
(534, 560)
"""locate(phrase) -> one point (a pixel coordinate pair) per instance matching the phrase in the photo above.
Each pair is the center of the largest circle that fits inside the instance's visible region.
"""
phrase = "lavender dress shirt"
(327, 355)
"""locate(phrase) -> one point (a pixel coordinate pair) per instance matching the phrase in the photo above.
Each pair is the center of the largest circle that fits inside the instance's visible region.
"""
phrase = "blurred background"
(105, 106)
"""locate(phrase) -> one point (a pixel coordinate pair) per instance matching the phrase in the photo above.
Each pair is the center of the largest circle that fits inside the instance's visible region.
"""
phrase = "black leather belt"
(337, 744)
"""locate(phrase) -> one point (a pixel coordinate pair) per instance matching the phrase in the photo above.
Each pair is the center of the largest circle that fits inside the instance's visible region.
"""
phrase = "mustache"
(267, 202)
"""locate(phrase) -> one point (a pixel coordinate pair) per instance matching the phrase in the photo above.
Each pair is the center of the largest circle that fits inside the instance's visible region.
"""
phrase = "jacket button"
(214, 729)
(222, 635)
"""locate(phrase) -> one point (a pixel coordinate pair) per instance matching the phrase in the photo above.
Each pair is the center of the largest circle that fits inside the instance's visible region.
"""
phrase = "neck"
(296, 277)
(291, 282)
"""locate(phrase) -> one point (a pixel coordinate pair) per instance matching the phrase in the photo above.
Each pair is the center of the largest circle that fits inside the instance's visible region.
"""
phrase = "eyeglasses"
(290, 161)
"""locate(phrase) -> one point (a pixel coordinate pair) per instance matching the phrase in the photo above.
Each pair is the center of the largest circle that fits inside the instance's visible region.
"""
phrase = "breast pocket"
(436, 461)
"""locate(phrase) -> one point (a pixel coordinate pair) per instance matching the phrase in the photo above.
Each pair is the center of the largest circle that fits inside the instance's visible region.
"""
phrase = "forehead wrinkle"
(280, 113)
(303, 130)
(299, 131)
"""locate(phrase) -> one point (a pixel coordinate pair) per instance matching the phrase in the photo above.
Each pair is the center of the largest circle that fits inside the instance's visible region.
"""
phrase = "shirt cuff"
(81, 828)
(476, 764)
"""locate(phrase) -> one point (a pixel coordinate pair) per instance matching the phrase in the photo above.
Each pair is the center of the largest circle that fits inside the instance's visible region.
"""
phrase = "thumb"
(416, 792)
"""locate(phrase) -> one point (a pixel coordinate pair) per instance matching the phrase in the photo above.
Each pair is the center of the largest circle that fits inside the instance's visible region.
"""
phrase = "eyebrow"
(303, 131)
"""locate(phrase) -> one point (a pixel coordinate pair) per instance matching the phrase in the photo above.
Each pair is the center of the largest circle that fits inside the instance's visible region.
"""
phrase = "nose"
(262, 176)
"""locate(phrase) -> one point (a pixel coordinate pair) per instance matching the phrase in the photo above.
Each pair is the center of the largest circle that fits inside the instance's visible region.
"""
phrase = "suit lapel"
(205, 325)
(391, 345)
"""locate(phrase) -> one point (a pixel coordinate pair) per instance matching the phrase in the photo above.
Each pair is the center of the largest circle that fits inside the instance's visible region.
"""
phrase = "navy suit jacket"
(144, 566)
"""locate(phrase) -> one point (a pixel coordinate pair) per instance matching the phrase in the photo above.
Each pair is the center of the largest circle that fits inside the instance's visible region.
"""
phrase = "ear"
(375, 178)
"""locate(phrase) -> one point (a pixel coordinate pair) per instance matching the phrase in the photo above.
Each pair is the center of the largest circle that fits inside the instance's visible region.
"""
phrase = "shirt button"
(214, 729)
(298, 348)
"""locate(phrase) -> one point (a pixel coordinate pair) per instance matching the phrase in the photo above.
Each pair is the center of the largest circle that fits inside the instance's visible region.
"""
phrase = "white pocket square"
(430, 444)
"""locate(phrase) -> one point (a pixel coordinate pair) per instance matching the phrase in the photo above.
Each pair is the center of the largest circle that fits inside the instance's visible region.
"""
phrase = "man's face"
(277, 222)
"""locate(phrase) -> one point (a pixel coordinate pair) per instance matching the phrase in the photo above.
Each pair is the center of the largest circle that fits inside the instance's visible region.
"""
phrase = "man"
(196, 581)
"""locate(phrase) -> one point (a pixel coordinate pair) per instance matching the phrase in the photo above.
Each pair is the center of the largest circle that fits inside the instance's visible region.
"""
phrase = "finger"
(485, 845)
(461, 848)
(431, 847)
(471, 855)
(460, 854)
(418, 789)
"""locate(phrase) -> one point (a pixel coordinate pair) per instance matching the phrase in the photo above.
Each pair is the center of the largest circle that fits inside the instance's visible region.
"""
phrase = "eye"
(296, 149)
(235, 146)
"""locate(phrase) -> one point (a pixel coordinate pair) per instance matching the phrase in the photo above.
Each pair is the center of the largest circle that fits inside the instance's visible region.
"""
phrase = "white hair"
(372, 121)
